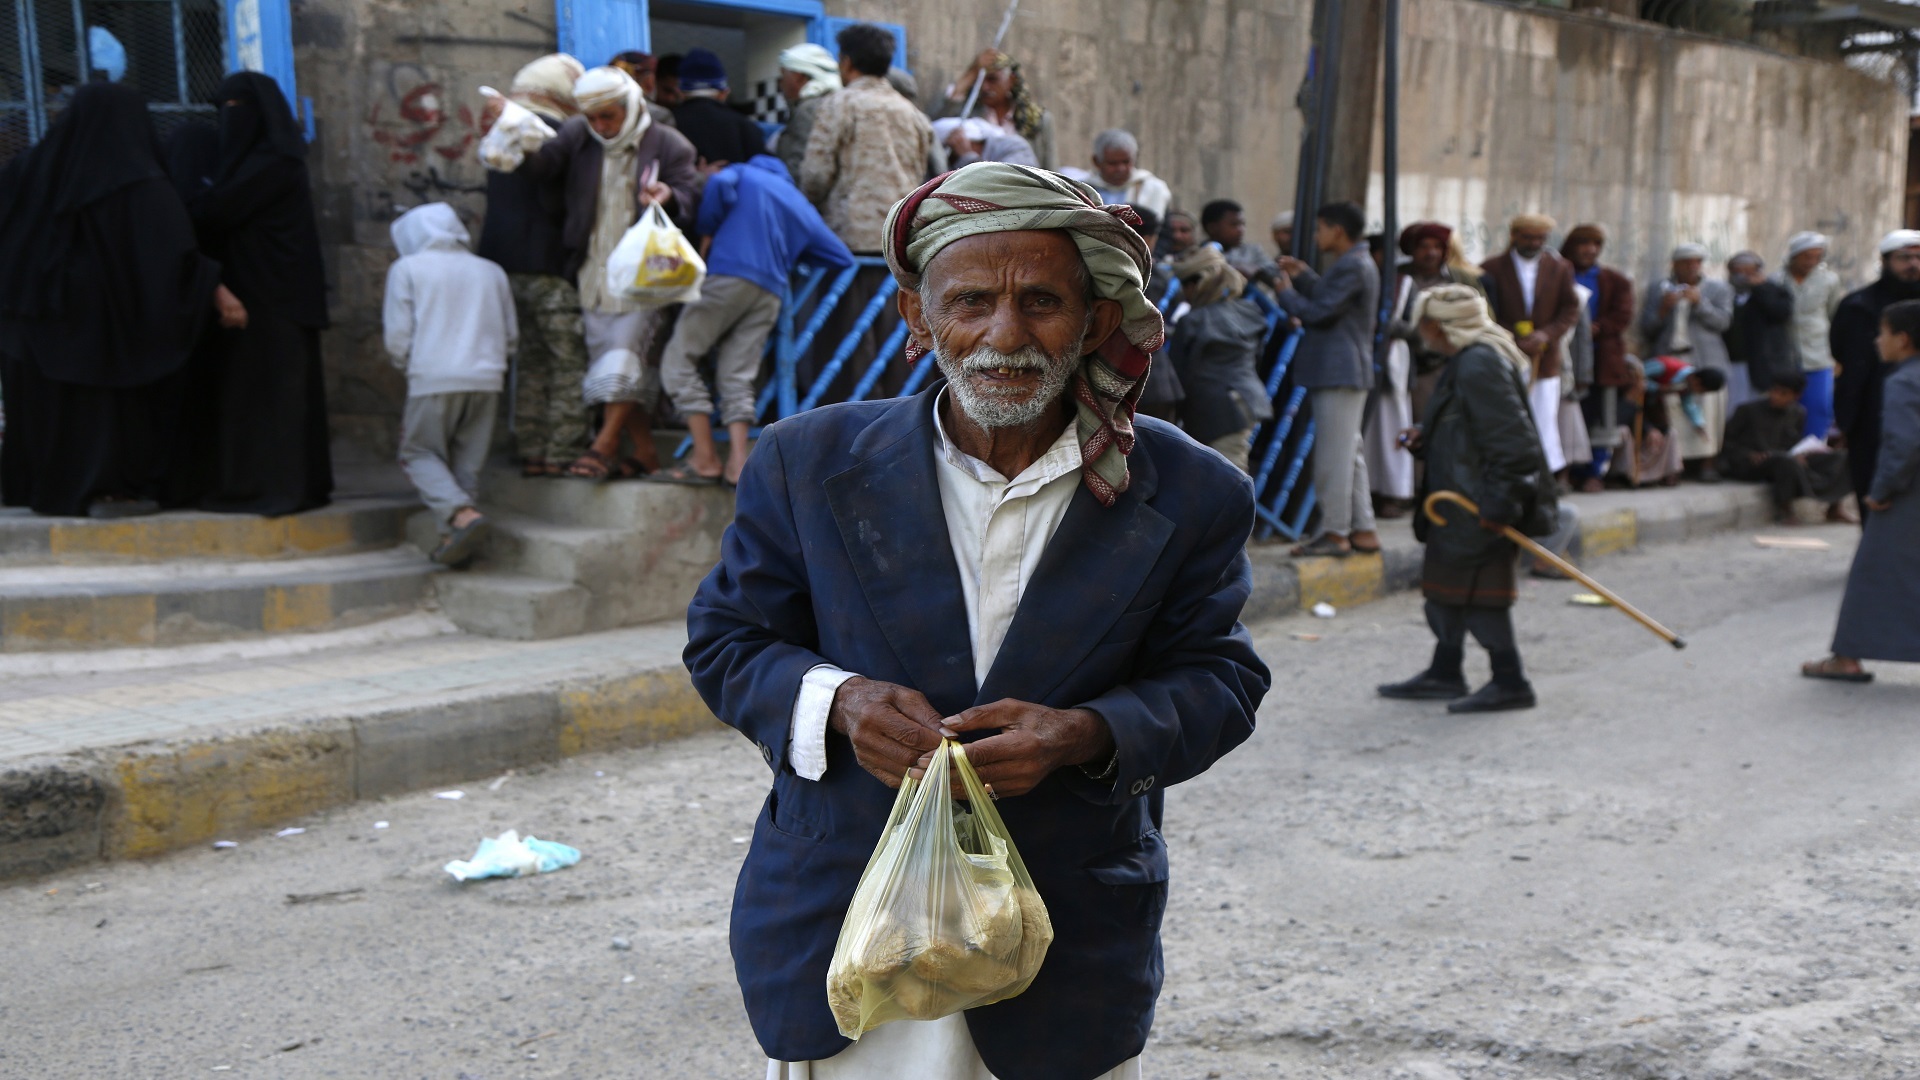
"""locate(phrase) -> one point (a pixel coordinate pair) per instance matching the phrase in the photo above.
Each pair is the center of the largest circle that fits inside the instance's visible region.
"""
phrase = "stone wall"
(1663, 138)
(1657, 135)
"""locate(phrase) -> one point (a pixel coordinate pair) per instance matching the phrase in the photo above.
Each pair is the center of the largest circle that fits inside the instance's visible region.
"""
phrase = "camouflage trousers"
(549, 421)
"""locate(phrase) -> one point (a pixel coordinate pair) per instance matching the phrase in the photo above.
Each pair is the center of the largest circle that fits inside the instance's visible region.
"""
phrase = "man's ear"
(1104, 318)
(915, 314)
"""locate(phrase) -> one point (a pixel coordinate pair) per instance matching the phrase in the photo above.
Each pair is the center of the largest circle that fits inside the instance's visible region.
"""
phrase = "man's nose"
(1007, 332)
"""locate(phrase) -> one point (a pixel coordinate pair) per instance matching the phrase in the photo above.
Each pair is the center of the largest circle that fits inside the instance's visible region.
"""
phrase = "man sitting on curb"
(1764, 443)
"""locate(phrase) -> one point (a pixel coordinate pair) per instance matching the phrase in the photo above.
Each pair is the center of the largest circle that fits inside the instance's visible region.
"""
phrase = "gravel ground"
(1686, 864)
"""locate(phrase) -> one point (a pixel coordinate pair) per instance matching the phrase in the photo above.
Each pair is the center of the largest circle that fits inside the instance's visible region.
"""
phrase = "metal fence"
(171, 51)
(1281, 446)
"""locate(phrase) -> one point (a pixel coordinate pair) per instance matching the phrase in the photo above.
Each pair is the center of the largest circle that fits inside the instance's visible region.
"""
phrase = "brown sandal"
(592, 465)
(1830, 668)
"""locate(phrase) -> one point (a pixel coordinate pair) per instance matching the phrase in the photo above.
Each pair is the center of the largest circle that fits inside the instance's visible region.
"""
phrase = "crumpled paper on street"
(507, 855)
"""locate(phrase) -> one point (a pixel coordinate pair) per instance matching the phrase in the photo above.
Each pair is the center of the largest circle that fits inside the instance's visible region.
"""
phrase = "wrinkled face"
(1584, 254)
(791, 83)
(1527, 243)
(1802, 264)
(1434, 338)
(1904, 265)
(996, 89)
(607, 120)
(1229, 230)
(1008, 318)
(1429, 255)
(1115, 165)
(1687, 271)
(1179, 234)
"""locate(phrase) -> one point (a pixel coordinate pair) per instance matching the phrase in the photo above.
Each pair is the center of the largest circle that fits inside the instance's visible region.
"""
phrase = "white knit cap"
(1689, 251)
(1805, 241)
(1899, 238)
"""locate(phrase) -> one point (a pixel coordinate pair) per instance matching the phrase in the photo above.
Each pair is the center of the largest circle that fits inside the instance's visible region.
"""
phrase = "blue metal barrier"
(1280, 456)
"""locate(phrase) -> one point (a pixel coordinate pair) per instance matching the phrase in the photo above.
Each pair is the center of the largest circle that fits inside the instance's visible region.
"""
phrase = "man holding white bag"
(612, 160)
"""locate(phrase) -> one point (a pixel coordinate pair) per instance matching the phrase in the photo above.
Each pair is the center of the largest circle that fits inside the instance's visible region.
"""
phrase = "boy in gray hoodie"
(450, 326)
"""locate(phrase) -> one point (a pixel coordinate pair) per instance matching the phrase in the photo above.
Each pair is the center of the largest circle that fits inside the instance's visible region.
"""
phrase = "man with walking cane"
(1478, 439)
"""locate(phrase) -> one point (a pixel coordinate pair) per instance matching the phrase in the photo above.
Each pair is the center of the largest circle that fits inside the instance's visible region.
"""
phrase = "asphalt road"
(1687, 864)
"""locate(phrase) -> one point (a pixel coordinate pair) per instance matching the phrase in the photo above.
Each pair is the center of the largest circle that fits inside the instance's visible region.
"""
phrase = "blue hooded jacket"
(762, 226)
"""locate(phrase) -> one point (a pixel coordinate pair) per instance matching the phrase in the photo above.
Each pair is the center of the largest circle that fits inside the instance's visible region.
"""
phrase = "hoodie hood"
(769, 163)
(433, 226)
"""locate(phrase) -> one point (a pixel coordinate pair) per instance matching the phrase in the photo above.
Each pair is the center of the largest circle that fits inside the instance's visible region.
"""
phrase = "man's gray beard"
(995, 407)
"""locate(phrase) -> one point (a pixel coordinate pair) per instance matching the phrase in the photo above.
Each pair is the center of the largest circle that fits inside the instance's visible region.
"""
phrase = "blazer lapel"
(888, 512)
(1092, 569)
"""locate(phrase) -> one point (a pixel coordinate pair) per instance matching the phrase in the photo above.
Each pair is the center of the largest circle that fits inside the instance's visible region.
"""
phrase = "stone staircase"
(185, 577)
(570, 556)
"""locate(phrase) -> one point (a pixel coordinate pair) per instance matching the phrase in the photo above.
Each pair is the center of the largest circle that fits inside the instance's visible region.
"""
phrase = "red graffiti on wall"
(421, 124)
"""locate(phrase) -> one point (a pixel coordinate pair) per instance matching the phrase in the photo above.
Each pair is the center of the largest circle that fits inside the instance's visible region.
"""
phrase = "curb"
(152, 798)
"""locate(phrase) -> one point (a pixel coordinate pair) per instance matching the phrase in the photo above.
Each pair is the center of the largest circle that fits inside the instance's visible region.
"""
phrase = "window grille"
(172, 51)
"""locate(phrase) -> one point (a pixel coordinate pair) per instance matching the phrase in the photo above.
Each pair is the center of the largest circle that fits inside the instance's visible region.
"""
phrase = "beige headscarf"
(1463, 316)
(1217, 281)
(995, 196)
(817, 64)
(546, 85)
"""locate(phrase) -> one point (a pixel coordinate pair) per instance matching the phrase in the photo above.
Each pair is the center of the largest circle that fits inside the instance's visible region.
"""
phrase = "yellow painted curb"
(296, 607)
(1356, 579)
(59, 621)
(628, 712)
(1609, 533)
(194, 793)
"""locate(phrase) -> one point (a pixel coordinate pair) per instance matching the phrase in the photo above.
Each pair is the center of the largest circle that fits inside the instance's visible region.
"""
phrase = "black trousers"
(1491, 627)
(1821, 476)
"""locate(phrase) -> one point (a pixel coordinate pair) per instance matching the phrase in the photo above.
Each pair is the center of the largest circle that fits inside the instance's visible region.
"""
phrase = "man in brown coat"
(1531, 290)
(1617, 383)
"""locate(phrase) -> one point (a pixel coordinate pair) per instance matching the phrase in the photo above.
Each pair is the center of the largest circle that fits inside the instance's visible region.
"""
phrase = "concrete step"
(179, 602)
(348, 525)
(618, 504)
(515, 606)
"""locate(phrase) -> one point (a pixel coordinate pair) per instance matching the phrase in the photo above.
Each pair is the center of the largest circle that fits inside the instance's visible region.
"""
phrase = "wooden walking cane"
(1432, 509)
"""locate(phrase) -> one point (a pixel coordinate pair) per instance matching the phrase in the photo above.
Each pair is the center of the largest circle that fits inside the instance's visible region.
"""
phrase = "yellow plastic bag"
(654, 264)
(945, 917)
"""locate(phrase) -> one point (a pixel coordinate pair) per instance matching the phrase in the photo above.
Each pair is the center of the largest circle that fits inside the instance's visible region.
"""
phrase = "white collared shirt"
(1528, 271)
(999, 529)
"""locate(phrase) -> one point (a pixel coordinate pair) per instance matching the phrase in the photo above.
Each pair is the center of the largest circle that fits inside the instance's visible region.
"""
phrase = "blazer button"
(766, 752)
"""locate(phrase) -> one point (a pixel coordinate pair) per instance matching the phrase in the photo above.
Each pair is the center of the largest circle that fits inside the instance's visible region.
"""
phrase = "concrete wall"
(1658, 136)
(1661, 137)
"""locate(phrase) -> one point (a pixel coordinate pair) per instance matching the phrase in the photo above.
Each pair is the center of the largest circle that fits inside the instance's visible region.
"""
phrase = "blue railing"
(1281, 446)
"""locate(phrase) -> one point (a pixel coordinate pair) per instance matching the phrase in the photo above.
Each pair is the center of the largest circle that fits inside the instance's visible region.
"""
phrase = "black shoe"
(1425, 686)
(458, 547)
(1495, 697)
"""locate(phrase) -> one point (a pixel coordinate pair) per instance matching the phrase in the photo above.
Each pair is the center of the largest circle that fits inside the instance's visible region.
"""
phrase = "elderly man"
(1610, 313)
(1684, 316)
(808, 73)
(1856, 323)
(1531, 290)
(1760, 341)
(1281, 229)
(1117, 176)
(1012, 558)
(1817, 293)
(1477, 439)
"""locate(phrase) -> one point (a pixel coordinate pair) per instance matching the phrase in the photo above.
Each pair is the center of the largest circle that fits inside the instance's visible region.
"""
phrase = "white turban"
(605, 86)
(548, 83)
(1898, 239)
(1282, 220)
(1805, 241)
(1533, 223)
(817, 64)
(977, 130)
(1689, 251)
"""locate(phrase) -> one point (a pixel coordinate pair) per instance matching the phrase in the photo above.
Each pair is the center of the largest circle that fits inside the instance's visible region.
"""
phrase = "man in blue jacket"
(1013, 558)
(756, 225)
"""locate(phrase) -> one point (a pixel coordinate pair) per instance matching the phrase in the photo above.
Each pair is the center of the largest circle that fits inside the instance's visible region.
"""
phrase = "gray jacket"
(1706, 321)
(1339, 312)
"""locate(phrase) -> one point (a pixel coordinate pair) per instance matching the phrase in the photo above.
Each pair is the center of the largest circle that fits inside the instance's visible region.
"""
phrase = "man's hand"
(892, 728)
(233, 313)
(1293, 267)
(1413, 438)
(1034, 741)
(1533, 344)
(1692, 294)
(709, 168)
(657, 192)
(1760, 458)
(490, 113)
(1668, 300)
(1878, 506)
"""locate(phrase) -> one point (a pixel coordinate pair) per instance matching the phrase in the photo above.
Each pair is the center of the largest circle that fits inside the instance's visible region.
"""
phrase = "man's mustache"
(987, 359)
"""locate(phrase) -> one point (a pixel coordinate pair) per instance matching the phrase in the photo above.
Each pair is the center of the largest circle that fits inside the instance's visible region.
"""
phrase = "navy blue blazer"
(839, 553)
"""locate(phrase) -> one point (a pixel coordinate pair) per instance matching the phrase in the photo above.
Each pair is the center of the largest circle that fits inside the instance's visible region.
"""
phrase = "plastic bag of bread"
(945, 917)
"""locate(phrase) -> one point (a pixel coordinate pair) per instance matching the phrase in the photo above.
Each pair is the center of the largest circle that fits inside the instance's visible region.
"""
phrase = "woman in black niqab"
(102, 294)
(254, 213)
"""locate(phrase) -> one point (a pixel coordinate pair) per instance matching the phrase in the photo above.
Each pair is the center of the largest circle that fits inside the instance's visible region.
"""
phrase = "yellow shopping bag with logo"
(945, 917)
(655, 264)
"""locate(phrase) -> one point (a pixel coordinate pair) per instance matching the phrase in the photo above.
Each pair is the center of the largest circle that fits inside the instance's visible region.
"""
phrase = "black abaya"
(270, 445)
(102, 294)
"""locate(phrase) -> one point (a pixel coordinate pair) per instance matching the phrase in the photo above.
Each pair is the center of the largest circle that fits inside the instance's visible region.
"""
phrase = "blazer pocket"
(1135, 877)
(1130, 626)
(787, 811)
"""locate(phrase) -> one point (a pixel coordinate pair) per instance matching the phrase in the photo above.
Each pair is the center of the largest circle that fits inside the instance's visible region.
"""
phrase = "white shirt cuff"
(807, 744)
